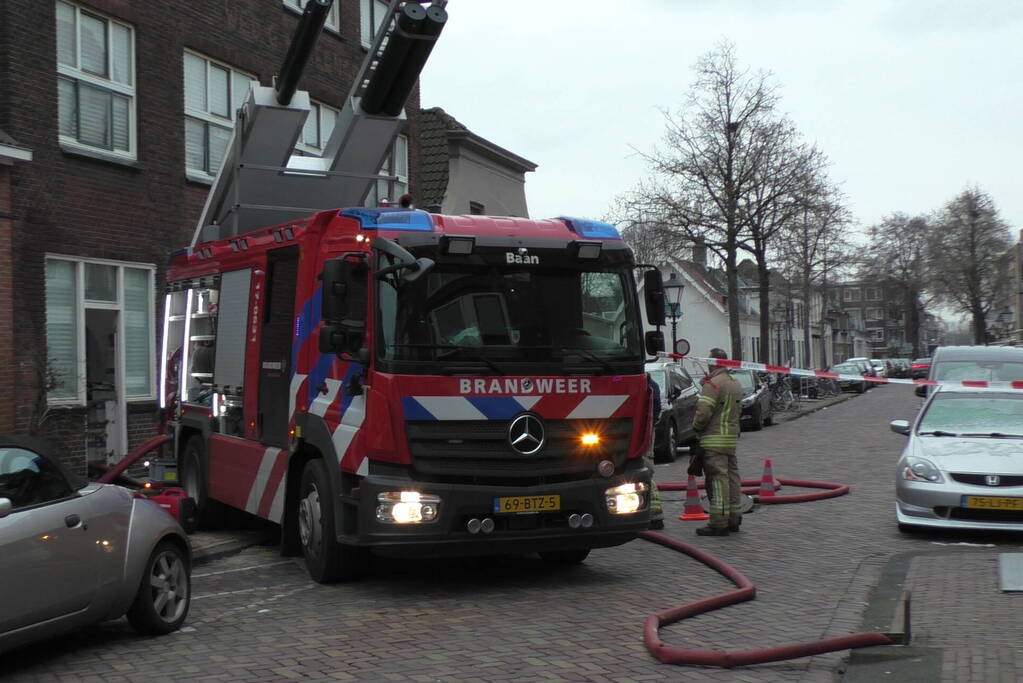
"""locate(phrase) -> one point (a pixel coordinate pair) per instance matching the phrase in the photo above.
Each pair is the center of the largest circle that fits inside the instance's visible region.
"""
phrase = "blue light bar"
(391, 219)
(591, 229)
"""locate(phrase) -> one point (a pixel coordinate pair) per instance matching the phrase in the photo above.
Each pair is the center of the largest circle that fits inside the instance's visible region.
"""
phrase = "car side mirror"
(654, 340)
(5, 507)
(921, 390)
(899, 426)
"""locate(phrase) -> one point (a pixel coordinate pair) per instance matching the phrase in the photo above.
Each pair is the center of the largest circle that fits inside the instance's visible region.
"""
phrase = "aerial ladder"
(262, 181)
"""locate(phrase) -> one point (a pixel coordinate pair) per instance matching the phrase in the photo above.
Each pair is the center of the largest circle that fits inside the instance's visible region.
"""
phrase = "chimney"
(700, 254)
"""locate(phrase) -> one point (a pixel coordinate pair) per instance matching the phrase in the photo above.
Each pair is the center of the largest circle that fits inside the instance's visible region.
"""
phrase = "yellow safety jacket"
(718, 411)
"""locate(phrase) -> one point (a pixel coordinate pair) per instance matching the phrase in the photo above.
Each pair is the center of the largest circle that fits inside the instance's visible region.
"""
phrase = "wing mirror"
(921, 390)
(5, 507)
(654, 340)
(899, 427)
(653, 297)
(409, 266)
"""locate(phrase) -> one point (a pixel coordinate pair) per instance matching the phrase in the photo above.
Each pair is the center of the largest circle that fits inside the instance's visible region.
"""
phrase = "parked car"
(881, 367)
(900, 367)
(986, 363)
(74, 552)
(866, 368)
(963, 462)
(859, 386)
(679, 394)
(919, 368)
(756, 399)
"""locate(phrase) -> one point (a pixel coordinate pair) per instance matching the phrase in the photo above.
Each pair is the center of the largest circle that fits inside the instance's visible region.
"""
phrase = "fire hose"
(745, 590)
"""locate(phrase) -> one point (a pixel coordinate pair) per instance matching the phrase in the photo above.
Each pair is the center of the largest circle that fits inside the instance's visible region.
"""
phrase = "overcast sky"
(912, 100)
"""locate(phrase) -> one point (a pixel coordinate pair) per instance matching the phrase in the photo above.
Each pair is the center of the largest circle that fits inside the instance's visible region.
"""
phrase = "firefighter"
(656, 509)
(717, 422)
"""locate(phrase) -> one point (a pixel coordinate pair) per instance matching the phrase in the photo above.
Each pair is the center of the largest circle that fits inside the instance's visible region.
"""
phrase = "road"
(256, 616)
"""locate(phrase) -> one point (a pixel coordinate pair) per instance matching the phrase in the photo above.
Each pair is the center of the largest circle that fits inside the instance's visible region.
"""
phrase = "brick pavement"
(256, 616)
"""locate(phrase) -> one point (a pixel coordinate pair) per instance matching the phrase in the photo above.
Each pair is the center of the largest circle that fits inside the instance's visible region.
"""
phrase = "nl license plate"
(992, 503)
(515, 505)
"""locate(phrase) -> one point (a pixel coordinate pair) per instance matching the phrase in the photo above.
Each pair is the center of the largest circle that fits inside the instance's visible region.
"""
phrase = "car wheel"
(862, 388)
(209, 514)
(757, 419)
(565, 556)
(162, 601)
(325, 559)
(769, 418)
(670, 451)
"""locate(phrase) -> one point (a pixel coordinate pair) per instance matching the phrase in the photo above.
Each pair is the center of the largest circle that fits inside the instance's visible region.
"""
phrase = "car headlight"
(748, 401)
(918, 469)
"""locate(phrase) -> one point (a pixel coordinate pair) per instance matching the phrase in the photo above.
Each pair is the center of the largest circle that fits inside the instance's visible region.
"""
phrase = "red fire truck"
(392, 381)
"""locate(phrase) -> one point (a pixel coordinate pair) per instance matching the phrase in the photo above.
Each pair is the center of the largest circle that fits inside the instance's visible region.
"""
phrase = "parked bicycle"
(782, 397)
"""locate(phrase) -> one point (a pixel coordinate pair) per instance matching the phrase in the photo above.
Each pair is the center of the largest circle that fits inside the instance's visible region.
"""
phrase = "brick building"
(127, 108)
(880, 309)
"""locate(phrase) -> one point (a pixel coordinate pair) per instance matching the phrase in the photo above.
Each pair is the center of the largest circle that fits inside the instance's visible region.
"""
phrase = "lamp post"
(779, 315)
(1005, 320)
(673, 302)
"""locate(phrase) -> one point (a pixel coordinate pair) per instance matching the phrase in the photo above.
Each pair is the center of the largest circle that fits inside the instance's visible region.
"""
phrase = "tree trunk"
(979, 324)
(733, 300)
(764, 277)
(805, 322)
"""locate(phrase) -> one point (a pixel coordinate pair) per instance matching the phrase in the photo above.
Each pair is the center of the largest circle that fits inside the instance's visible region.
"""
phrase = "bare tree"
(968, 240)
(712, 149)
(901, 259)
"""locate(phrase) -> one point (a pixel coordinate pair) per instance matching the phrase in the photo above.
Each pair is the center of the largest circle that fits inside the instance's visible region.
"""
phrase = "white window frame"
(876, 334)
(875, 314)
(76, 75)
(206, 117)
(386, 188)
(81, 304)
(851, 294)
(872, 294)
(318, 112)
(333, 22)
(368, 17)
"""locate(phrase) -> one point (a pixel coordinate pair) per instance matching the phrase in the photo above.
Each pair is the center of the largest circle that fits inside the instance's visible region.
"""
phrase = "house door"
(106, 434)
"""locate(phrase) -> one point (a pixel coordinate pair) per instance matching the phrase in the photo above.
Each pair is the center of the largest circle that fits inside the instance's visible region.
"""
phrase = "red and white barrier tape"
(802, 372)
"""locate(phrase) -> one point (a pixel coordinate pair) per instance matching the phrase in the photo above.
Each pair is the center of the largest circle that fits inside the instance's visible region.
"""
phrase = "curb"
(225, 548)
(824, 403)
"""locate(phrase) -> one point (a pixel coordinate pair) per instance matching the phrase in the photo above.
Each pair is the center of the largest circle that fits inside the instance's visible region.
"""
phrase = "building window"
(855, 320)
(872, 294)
(332, 17)
(395, 167)
(875, 314)
(95, 81)
(99, 329)
(852, 294)
(876, 334)
(318, 127)
(371, 15)
(213, 94)
(477, 209)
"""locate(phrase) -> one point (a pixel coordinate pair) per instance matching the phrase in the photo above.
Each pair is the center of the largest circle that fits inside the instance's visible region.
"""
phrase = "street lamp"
(673, 304)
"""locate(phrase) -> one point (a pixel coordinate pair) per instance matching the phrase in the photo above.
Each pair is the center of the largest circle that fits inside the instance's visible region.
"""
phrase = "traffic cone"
(693, 510)
(767, 483)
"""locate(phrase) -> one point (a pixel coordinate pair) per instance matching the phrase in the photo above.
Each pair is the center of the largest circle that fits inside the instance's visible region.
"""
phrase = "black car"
(756, 399)
(846, 384)
(679, 393)
(919, 368)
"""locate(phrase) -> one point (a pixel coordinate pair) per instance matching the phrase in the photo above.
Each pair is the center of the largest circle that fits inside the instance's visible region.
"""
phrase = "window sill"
(99, 155)
(199, 178)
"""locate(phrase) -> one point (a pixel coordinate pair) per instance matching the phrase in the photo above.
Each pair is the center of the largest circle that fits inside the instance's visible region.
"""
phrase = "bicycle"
(782, 398)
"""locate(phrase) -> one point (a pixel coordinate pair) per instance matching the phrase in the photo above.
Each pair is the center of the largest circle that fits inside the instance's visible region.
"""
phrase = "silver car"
(962, 466)
(74, 552)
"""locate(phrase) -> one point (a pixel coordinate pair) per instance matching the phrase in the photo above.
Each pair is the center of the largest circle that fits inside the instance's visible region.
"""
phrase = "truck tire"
(193, 469)
(326, 560)
(565, 556)
(164, 594)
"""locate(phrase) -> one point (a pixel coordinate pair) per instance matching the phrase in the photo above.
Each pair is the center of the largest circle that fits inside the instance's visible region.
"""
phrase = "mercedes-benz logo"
(526, 434)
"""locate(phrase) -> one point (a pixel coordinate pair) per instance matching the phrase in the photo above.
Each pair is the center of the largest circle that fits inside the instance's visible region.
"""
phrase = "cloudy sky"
(912, 100)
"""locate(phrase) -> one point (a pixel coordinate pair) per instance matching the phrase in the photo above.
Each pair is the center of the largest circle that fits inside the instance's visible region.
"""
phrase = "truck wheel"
(326, 560)
(565, 556)
(162, 601)
(194, 478)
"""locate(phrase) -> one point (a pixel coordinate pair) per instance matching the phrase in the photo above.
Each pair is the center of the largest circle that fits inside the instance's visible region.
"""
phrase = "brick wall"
(66, 203)
(6, 304)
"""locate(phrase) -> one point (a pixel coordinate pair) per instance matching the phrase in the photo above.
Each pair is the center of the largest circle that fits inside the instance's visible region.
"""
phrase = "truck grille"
(477, 451)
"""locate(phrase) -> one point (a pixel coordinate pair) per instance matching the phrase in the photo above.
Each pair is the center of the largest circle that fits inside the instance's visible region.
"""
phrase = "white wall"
(474, 178)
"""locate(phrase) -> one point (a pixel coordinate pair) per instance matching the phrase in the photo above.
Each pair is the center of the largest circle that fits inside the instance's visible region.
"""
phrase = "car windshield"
(497, 316)
(974, 414)
(846, 369)
(991, 371)
(659, 378)
(744, 379)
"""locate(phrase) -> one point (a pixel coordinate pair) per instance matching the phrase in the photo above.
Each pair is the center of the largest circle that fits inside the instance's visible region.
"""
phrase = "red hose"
(745, 591)
(130, 459)
(831, 490)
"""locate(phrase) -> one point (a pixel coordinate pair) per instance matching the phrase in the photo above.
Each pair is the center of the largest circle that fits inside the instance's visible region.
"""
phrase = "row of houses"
(114, 119)
(846, 320)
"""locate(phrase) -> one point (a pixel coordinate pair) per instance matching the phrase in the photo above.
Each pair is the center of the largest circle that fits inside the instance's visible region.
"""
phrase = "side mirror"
(654, 340)
(899, 426)
(921, 390)
(653, 297)
(5, 507)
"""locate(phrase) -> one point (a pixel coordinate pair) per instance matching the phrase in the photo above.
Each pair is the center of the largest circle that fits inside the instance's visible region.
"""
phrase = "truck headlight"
(407, 507)
(625, 499)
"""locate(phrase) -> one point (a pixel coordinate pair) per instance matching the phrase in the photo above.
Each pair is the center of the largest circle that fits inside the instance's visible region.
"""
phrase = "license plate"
(517, 505)
(992, 503)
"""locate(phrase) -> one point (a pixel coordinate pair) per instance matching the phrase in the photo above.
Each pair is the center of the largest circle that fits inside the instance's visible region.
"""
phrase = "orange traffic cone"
(693, 510)
(767, 481)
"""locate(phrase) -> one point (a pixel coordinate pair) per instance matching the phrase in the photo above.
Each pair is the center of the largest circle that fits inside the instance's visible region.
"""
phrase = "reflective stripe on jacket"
(718, 411)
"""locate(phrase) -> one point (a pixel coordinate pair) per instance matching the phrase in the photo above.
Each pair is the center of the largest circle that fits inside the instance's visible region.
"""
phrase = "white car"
(74, 552)
(962, 466)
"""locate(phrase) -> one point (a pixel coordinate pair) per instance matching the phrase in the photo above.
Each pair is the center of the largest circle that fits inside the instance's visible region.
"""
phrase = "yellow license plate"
(515, 505)
(992, 503)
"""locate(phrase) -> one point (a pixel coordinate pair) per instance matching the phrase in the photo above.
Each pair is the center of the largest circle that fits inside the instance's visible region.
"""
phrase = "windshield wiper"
(452, 349)
(937, 432)
(996, 435)
(586, 353)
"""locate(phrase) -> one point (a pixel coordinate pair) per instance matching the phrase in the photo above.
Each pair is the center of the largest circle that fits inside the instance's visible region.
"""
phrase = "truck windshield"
(501, 316)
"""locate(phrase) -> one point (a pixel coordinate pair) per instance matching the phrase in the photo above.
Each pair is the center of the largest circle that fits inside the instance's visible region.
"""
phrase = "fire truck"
(390, 381)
